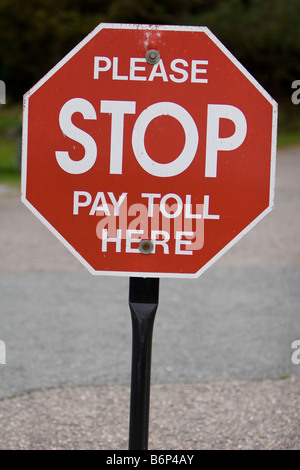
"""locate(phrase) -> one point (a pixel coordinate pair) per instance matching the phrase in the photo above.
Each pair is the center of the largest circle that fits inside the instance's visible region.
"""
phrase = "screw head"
(152, 57)
(146, 247)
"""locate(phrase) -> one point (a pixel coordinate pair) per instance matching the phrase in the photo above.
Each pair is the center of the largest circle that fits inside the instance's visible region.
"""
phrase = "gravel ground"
(233, 414)
(255, 415)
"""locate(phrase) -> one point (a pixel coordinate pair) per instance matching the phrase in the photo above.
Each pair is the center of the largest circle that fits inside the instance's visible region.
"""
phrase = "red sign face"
(149, 150)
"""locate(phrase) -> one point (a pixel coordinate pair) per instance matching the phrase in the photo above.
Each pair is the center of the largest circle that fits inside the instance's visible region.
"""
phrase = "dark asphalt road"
(61, 325)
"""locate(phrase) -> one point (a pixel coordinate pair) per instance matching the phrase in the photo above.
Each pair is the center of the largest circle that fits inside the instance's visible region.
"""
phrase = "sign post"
(148, 151)
(143, 302)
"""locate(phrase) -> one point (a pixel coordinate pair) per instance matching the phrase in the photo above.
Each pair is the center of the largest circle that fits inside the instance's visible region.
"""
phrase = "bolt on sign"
(149, 150)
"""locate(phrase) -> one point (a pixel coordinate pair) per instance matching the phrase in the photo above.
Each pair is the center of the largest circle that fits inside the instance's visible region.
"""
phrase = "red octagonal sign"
(149, 150)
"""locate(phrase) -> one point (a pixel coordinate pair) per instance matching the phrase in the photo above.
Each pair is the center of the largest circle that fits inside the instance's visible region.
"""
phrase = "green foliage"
(10, 143)
(9, 174)
(263, 34)
(157, 11)
(36, 34)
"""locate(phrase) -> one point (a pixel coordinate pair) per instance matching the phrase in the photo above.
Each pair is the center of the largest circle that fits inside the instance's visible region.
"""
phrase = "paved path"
(62, 326)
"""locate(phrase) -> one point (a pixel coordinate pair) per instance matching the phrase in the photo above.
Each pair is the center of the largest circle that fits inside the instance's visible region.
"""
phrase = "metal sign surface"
(149, 150)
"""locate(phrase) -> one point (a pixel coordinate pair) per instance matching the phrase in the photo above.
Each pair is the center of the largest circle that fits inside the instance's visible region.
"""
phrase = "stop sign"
(149, 150)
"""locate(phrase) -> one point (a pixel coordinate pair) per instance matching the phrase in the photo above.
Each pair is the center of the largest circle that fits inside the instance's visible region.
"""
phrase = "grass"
(10, 140)
(8, 170)
(10, 144)
(288, 139)
(288, 124)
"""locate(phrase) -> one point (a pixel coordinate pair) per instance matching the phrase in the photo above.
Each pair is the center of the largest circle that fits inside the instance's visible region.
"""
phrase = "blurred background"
(36, 34)
(64, 327)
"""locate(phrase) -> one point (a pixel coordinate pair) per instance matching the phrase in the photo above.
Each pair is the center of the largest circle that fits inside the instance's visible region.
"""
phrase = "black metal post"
(143, 303)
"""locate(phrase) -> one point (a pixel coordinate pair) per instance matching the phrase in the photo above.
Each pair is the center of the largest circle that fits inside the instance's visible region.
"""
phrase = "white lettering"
(139, 71)
(214, 143)
(183, 161)
(151, 197)
(162, 73)
(116, 240)
(115, 71)
(97, 67)
(206, 215)
(188, 207)
(117, 109)
(116, 203)
(84, 107)
(195, 71)
(84, 203)
(78, 201)
(178, 210)
(130, 240)
(134, 68)
(179, 243)
(104, 207)
(117, 460)
(155, 234)
(184, 73)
